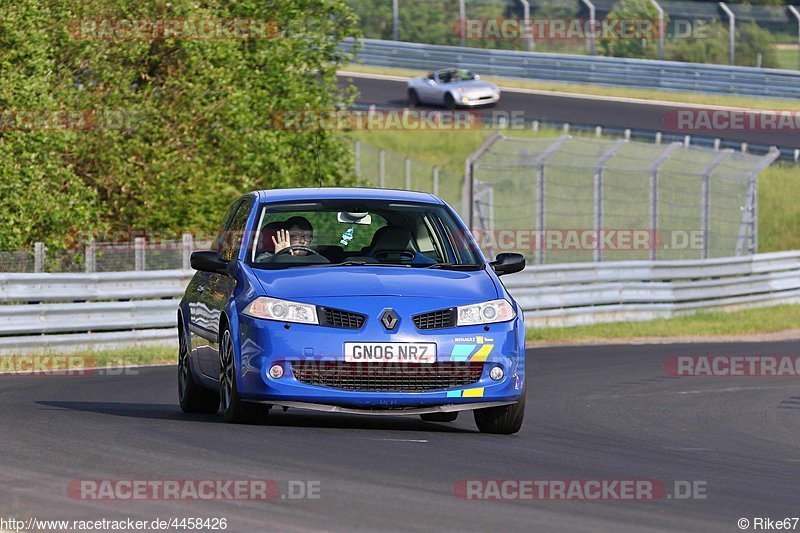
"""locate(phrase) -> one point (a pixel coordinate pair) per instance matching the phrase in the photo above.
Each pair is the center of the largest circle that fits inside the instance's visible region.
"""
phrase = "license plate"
(390, 352)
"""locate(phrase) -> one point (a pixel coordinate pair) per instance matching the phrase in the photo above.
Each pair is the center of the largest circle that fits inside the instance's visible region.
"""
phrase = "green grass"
(642, 94)
(751, 321)
(779, 185)
(787, 58)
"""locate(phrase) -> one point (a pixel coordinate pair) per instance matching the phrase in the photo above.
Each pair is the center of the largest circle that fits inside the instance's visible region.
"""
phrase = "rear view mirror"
(349, 217)
(508, 263)
(209, 261)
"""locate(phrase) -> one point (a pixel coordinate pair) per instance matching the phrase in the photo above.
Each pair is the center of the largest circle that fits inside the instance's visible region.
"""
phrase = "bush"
(712, 46)
(196, 126)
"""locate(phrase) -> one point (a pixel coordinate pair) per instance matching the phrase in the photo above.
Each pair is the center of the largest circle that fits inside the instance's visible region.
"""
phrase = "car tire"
(234, 409)
(440, 417)
(192, 397)
(449, 101)
(413, 98)
(502, 420)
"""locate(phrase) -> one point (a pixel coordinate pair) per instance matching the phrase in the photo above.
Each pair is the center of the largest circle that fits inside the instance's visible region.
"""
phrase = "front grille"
(394, 377)
(444, 318)
(336, 318)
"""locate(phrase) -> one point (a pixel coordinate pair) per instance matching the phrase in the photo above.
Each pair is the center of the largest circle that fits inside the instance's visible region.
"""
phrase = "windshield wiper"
(364, 263)
(454, 266)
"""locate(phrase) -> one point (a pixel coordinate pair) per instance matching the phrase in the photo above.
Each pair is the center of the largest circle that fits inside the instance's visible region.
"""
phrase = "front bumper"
(476, 100)
(264, 343)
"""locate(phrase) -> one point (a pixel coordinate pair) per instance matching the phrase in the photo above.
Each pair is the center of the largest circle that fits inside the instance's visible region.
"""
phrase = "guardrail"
(594, 70)
(45, 314)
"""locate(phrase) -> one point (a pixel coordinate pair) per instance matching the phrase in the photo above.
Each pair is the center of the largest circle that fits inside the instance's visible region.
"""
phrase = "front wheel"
(234, 409)
(502, 420)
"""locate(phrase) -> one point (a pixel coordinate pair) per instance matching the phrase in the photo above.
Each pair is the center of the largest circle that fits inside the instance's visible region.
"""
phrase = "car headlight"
(485, 313)
(282, 310)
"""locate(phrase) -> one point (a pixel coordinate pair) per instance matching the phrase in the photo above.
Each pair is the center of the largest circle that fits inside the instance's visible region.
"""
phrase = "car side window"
(234, 234)
(226, 221)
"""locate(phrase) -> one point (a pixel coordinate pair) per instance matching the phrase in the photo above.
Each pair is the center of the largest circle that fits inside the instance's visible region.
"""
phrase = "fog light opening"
(276, 372)
(496, 373)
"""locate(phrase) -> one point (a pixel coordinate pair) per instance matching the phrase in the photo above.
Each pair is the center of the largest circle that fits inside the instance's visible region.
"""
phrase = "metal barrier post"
(187, 246)
(38, 257)
(89, 255)
(408, 173)
(140, 253)
(436, 180)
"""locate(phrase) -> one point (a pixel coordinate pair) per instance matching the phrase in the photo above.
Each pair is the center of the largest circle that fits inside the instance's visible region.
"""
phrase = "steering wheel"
(387, 254)
(303, 248)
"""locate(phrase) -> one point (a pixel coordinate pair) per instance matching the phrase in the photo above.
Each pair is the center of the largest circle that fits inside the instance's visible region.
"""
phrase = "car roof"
(345, 193)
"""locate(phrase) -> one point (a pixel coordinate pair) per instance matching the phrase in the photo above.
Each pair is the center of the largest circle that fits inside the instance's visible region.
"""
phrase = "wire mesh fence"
(578, 199)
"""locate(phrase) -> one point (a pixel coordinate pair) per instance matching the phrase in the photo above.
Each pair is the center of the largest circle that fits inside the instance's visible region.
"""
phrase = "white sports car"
(452, 88)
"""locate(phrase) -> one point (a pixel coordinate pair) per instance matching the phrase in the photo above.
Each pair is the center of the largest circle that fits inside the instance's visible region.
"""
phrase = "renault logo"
(389, 319)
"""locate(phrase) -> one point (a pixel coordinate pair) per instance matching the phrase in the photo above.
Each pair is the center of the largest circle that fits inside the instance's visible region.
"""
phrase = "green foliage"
(192, 118)
(633, 10)
(711, 45)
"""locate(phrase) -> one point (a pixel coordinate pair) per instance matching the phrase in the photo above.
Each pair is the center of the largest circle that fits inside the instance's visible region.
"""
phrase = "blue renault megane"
(347, 300)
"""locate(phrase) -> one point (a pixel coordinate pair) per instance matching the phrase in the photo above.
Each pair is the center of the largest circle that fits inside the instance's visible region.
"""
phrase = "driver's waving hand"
(298, 233)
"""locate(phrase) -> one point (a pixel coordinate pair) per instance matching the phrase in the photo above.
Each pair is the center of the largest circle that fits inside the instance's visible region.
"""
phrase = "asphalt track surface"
(612, 114)
(609, 412)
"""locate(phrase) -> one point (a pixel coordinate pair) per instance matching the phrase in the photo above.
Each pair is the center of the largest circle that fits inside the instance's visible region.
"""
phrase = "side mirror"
(209, 261)
(477, 77)
(508, 263)
(431, 82)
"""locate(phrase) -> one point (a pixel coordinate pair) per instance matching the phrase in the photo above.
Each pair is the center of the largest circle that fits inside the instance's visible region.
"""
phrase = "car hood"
(359, 281)
(473, 85)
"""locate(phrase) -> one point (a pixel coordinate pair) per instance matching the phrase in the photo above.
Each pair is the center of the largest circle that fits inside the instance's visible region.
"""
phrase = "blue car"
(351, 300)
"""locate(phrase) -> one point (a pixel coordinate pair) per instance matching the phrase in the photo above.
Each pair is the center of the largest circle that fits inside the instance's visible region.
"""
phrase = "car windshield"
(360, 233)
(454, 76)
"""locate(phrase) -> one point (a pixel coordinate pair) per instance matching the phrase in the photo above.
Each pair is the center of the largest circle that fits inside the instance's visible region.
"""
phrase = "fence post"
(357, 149)
(796, 14)
(540, 239)
(654, 197)
(731, 32)
(436, 180)
(38, 257)
(187, 245)
(469, 175)
(395, 21)
(590, 38)
(140, 253)
(408, 173)
(705, 199)
(660, 29)
(382, 168)
(597, 254)
(89, 255)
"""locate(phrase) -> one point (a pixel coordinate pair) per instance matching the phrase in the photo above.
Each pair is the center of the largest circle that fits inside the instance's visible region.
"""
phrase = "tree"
(195, 124)
(645, 45)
